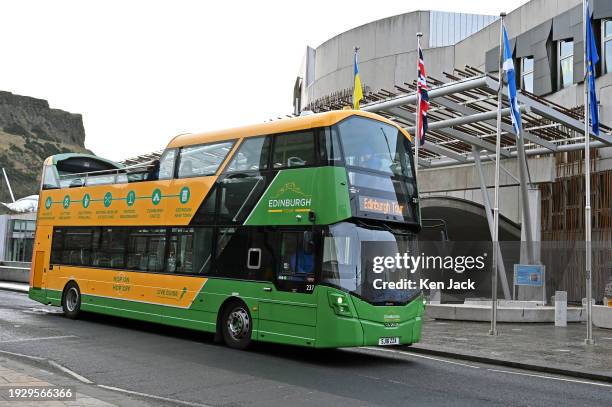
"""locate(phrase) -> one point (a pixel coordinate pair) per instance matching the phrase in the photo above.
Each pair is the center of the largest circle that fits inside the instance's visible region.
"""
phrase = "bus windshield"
(374, 145)
(343, 254)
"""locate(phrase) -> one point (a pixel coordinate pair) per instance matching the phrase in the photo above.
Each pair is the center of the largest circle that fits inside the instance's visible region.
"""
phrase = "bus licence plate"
(388, 341)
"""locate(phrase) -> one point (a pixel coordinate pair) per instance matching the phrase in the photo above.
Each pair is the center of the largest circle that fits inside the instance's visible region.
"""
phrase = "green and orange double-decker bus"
(253, 233)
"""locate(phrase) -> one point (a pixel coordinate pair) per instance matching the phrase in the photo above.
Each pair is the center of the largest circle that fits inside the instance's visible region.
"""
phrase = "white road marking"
(136, 393)
(70, 372)
(117, 389)
(420, 356)
(4, 352)
(44, 338)
(551, 378)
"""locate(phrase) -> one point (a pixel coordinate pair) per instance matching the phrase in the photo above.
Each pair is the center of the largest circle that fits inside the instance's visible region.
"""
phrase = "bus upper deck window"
(252, 155)
(329, 146)
(202, 160)
(50, 178)
(294, 150)
(166, 164)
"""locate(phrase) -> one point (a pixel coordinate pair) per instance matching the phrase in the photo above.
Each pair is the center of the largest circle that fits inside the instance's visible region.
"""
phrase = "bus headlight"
(339, 302)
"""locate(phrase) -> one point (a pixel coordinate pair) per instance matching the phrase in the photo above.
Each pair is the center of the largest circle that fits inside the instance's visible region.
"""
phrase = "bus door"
(291, 312)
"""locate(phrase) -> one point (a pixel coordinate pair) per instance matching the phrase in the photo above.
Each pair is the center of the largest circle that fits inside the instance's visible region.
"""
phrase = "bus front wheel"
(71, 300)
(237, 325)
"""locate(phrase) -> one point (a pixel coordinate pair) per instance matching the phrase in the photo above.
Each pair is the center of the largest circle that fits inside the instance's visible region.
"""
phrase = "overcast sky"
(141, 72)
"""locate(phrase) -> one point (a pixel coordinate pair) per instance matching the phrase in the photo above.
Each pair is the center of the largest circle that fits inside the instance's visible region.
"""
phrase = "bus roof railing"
(105, 177)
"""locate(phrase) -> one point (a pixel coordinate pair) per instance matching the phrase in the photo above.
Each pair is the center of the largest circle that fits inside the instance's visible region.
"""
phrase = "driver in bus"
(304, 257)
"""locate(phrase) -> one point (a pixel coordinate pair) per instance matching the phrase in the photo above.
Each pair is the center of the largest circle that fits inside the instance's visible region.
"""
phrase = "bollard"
(435, 297)
(561, 308)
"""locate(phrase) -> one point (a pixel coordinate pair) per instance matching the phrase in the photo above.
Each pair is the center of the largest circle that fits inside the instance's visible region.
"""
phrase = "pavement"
(533, 346)
(12, 286)
(158, 365)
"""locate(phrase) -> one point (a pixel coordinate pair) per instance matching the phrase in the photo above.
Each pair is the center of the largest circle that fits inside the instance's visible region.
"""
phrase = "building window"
(607, 45)
(527, 74)
(566, 63)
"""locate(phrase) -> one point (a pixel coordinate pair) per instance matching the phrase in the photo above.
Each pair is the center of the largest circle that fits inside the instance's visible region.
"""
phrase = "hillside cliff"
(30, 131)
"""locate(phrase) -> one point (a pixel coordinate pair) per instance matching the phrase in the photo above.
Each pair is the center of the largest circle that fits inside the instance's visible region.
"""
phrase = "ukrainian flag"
(357, 91)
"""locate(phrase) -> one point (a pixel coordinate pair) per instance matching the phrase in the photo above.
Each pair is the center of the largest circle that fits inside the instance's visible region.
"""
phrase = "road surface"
(187, 366)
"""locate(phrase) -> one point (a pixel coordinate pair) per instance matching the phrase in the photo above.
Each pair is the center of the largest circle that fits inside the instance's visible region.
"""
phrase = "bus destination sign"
(381, 206)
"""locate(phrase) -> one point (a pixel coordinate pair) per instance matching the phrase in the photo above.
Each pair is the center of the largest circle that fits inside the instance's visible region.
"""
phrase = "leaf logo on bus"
(183, 293)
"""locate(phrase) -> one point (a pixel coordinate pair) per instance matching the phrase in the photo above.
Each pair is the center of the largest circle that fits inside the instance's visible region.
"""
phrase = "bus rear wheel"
(236, 325)
(71, 300)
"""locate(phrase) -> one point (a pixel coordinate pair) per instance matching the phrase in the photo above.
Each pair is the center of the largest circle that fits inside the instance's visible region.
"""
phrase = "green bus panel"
(312, 319)
(294, 193)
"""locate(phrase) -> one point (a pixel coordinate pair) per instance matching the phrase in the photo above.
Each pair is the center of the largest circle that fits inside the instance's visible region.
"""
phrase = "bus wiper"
(367, 225)
(394, 162)
(388, 146)
(393, 231)
(382, 226)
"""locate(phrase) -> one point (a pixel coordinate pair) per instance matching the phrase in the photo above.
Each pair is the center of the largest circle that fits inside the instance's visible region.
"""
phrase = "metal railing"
(105, 177)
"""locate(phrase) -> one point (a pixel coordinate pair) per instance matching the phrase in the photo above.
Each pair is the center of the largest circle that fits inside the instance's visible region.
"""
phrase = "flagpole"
(417, 118)
(493, 329)
(587, 183)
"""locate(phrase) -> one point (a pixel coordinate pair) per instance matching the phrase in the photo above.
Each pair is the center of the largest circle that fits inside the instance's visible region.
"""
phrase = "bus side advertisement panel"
(161, 289)
(171, 202)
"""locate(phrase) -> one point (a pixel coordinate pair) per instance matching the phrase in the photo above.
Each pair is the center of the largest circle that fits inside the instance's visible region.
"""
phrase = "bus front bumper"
(355, 322)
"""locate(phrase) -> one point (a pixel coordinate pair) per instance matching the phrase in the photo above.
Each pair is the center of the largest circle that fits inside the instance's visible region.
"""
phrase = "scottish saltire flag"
(357, 91)
(423, 97)
(592, 58)
(508, 66)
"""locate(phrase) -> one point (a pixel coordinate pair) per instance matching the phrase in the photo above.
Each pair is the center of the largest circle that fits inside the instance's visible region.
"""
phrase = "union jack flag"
(423, 99)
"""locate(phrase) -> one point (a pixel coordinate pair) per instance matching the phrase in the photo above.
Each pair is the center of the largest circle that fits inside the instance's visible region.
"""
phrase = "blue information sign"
(529, 274)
